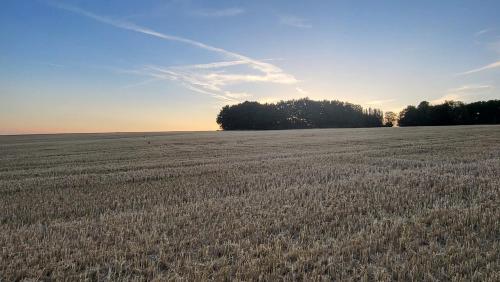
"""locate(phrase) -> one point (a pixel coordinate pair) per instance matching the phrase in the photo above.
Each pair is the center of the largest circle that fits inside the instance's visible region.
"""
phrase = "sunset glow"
(71, 66)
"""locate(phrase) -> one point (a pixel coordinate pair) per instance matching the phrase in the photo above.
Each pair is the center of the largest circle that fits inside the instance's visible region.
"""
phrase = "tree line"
(306, 113)
(451, 113)
(295, 114)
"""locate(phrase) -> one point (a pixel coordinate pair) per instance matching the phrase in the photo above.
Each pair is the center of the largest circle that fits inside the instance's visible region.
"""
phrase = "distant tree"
(484, 112)
(451, 113)
(423, 113)
(408, 116)
(390, 119)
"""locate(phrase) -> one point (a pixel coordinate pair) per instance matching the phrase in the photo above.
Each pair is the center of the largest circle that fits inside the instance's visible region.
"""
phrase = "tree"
(423, 113)
(408, 116)
(390, 119)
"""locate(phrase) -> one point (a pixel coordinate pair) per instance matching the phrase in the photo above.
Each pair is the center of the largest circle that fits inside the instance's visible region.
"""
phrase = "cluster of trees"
(294, 114)
(306, 113)
(451, 113)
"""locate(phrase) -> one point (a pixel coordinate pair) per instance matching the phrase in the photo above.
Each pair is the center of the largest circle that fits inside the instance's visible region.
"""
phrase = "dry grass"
(346, 204)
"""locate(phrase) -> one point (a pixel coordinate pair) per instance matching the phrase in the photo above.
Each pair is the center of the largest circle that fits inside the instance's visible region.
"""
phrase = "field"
(375, 204)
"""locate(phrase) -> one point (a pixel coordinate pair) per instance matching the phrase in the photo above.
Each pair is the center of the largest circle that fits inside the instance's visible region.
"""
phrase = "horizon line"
(105, 132)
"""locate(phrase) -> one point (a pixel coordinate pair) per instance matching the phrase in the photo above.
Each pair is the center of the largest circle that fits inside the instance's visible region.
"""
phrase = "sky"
(170, 65)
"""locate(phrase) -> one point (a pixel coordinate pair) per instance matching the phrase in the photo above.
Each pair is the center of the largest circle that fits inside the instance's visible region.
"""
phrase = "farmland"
(383, 204)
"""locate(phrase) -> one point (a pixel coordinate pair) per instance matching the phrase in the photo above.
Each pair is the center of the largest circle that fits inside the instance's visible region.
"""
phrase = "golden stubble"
(377, 204)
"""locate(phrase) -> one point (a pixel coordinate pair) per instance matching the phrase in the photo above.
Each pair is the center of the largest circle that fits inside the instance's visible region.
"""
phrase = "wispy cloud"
(490, 38)
(492, 31)
(213, 65)
(213, 78)
(189, 78)
(447, 97)
(470, 88)
(301, 91)
(483, 31)
(211, 13)
(487, 67)
(207, 83)
(295, 22)
(141, 83)
(463, 93)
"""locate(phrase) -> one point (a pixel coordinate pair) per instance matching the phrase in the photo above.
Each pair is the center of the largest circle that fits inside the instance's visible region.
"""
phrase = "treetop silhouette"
(295, 114)
(306, 113)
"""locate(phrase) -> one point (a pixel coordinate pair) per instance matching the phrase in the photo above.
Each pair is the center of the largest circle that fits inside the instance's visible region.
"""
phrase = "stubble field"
(345, 204)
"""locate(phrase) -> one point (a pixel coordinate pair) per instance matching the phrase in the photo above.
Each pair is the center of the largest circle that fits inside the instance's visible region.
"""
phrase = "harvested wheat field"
(375, 204)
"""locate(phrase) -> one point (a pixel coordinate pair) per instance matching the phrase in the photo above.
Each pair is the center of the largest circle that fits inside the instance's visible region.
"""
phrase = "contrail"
(268, 69)
(487, 67)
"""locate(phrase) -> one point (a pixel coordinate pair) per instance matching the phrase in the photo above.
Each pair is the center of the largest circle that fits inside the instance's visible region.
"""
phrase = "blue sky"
(95, 66)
